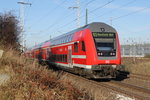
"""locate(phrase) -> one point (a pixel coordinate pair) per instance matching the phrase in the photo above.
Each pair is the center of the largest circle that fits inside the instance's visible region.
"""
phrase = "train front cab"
(102, 51)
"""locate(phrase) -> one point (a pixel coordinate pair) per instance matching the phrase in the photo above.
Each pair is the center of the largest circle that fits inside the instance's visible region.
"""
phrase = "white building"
(138, 50)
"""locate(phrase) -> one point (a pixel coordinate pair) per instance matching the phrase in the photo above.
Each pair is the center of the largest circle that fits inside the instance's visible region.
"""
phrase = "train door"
(47, 53)
(69, 56)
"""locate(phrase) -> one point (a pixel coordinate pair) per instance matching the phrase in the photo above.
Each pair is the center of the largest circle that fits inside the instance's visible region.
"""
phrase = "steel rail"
(140, 76)
(141, 89)
(114, 88)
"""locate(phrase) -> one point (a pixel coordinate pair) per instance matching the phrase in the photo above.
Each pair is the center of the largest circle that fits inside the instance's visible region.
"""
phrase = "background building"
(136, 50)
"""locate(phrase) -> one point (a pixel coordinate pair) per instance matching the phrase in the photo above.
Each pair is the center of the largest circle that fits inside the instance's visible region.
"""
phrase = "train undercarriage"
(96, 72)
(100, 71)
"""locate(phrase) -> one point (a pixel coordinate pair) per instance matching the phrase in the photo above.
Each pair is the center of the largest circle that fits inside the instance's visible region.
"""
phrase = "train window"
(114, 43)
(58, 58)
(65, 58)
(47, 53)
(75, 47)
(55, 58)
(71, 36)
(82, 46)
(57, 42)
(61, 40)
(62, 58)
(64, 39)
(68, 38)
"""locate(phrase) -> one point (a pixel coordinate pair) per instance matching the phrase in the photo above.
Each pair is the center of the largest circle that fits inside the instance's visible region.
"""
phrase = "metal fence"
(137, 50)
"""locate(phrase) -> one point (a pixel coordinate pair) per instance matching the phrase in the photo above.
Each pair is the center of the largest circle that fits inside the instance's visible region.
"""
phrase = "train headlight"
(111, 54)
(101, 54)
(114, 54)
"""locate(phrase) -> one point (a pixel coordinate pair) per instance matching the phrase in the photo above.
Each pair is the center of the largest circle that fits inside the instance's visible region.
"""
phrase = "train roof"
(95, 26)
(67, 37)
(45, 44)
(100, 27)
(91, 26)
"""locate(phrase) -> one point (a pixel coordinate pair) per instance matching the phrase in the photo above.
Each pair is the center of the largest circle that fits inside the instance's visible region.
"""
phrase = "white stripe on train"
(79, 56)
(78, 65)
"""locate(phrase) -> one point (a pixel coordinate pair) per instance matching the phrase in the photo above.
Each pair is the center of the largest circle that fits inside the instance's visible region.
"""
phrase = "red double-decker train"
(92, 50)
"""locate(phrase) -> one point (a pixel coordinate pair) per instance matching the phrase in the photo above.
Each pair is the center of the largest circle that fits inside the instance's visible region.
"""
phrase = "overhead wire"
(56, 22)
(89, 2)
(99, 7)
(68, 16)
(122, 16)
(82, 15)
(104, 14)
(92, 11)
(50, 12)
(131, 13)
(102, 6)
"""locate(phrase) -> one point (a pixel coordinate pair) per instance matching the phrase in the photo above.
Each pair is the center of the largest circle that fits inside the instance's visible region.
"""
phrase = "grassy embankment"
(137, 65)
(30, 81)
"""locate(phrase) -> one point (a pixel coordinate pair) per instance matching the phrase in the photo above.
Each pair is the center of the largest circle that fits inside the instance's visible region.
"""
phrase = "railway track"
(140, 76)
(123, 88)
(136, 89)
(136, 76)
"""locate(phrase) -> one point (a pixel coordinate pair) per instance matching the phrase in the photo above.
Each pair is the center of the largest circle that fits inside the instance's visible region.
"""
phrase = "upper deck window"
(75, 47)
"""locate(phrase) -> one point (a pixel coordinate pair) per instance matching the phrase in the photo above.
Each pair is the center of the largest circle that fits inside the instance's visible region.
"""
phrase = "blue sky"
(45, 18)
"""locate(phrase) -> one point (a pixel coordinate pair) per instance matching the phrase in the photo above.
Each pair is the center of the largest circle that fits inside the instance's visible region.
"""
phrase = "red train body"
(92, 50)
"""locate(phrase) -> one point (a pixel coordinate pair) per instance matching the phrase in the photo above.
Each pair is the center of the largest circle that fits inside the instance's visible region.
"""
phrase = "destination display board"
(103, 35)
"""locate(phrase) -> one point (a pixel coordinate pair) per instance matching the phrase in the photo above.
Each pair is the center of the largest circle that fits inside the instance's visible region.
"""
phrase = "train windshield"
(105, 43)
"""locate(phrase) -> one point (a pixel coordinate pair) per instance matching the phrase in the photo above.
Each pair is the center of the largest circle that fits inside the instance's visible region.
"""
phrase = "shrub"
(31, 81)
(9, 31)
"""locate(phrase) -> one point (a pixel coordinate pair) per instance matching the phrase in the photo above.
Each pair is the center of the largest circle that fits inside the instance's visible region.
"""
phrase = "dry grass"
(96, 93)
(30, 81)
(137, 65)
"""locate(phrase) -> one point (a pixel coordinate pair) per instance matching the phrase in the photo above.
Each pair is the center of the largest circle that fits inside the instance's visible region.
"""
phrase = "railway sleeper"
(104, 72)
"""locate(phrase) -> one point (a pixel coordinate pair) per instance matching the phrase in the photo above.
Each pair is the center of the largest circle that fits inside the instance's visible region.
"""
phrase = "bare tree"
(9, 31)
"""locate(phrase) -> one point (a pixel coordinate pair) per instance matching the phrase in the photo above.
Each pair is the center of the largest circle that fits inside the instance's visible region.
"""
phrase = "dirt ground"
(137, 65)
